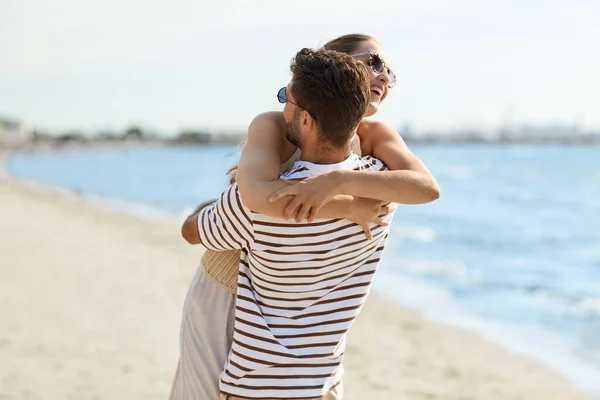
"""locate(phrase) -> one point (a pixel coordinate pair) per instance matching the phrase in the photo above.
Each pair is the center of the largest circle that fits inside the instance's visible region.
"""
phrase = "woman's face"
(379, 81)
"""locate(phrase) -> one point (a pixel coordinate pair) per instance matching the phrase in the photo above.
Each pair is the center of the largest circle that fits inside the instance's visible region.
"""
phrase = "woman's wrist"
(339, 181)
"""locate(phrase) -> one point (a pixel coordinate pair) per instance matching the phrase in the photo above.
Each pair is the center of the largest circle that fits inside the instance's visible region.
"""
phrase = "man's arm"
(224, 225)
(189, 229)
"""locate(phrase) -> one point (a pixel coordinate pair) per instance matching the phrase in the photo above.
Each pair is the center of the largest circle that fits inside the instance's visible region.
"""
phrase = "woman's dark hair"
(347, 43)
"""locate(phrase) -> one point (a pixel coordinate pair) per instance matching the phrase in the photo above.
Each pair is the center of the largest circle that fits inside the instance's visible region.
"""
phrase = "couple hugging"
(294, 242)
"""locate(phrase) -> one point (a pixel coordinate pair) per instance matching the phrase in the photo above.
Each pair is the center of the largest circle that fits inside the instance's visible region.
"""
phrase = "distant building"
(12, 133)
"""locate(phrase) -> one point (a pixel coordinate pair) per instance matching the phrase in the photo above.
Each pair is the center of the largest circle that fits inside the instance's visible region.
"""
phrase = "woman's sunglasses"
(282, 97)
(378, 66)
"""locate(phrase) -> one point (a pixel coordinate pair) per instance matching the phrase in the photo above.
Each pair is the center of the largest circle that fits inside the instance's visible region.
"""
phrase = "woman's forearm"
(400, 186)
(408, 181)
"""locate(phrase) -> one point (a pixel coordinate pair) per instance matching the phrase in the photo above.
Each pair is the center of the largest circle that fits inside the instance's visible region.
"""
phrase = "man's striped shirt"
(300, 287)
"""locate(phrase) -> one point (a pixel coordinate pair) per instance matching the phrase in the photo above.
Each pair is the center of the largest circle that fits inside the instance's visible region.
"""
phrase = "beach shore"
(91, 305)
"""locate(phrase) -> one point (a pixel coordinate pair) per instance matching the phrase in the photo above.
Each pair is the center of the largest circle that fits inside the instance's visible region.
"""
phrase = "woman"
(207, 326)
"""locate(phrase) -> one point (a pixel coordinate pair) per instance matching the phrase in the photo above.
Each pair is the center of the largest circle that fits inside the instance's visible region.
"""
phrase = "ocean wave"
(585, 305)
(421, 234)
(460, 172)
(456, 270)
(591, 304)
(141, 210)
(552, 349)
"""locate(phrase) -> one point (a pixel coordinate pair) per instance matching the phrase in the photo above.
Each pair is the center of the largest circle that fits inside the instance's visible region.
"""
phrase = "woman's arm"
(260, 163)
(259, 170)
(381, 141)
(407, 182)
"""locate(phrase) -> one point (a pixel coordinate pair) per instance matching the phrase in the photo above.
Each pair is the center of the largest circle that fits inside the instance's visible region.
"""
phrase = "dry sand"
(91, 301)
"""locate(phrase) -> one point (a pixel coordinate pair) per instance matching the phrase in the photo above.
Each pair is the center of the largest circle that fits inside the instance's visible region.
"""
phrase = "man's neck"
(319, 153)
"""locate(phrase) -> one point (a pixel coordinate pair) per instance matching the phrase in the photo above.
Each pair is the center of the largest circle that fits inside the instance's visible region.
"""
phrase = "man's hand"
(189, 229)
(310, 195)
(365, 211)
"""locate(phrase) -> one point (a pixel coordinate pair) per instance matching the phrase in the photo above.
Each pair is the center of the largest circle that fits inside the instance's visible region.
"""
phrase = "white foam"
(591, 304)
(130, 207)
(418, 233)
(460, 172)
(454, 269)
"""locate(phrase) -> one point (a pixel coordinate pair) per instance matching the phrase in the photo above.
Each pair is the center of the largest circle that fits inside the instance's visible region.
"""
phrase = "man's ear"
(308, 119)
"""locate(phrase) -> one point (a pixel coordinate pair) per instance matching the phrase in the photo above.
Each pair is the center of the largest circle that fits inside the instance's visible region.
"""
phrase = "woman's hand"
(365, 211)
(310, 195)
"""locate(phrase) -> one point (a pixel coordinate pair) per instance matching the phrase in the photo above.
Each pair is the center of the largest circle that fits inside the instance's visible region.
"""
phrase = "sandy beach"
(91, 302)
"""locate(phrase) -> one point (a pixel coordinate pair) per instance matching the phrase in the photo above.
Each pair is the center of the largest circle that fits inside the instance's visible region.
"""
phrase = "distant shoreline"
(58, 146)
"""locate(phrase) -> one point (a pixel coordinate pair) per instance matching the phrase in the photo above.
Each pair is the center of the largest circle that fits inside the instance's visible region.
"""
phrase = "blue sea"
(511, 249)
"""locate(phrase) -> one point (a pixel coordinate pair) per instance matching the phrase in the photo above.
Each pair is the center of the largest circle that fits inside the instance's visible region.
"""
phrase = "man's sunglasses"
(378, 66)
(282, 97)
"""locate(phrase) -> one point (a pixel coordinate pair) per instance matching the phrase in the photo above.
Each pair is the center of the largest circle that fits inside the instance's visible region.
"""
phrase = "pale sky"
(169, 65)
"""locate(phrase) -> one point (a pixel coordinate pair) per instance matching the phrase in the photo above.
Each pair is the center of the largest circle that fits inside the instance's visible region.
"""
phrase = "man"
(301, 285)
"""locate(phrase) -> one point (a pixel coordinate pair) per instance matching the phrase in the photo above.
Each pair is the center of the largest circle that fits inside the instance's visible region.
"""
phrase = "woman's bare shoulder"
(269, 128)
(269, 119)
(369, 128)
(372, 132)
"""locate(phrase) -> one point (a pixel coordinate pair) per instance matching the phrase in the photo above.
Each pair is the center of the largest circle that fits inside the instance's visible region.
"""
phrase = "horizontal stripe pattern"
(300, 287)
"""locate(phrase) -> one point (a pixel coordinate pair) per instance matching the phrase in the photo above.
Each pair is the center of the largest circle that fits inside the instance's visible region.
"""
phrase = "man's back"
(301, 285)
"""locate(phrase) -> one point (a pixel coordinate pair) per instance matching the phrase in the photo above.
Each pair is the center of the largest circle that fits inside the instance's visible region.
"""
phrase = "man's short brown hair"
(334, 88)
